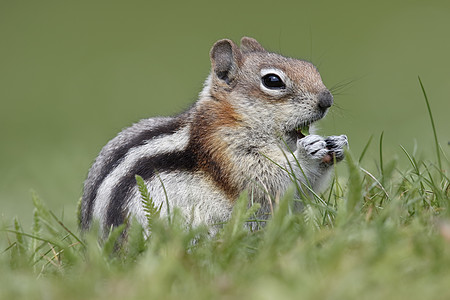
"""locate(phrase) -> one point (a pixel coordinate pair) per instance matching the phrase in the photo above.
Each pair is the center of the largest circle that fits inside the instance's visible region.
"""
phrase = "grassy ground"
(383, 234)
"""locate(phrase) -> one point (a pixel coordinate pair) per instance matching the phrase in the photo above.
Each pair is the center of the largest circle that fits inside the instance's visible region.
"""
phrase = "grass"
(382, 234)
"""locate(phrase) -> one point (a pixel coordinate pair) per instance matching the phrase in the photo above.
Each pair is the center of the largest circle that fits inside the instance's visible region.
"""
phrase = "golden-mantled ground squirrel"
(240, 135)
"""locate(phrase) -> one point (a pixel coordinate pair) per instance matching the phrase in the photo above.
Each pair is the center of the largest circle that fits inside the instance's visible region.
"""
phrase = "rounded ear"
(226, 58)
(249, 44)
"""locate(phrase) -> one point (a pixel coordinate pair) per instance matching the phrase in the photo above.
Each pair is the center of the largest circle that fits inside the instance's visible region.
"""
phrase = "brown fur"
(213, 157)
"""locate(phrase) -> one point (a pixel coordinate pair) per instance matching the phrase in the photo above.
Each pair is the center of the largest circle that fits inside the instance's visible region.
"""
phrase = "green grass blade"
(114, 242)
(44, 215)
(52, 242)
(36, 230)
(411, 159)
(354, 195)
(67, 229)
(436, 142)
(21, 245)
(363, 153)
(169, 215)
(381, 158)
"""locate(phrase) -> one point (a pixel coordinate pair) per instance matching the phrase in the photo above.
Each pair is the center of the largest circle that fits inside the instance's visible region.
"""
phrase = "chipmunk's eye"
(273, 82)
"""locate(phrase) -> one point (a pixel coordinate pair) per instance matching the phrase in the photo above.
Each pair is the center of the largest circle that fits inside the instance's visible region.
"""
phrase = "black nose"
(325, 99)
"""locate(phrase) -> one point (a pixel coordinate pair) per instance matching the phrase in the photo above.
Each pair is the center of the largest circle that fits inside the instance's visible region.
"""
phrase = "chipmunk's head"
(273, 94)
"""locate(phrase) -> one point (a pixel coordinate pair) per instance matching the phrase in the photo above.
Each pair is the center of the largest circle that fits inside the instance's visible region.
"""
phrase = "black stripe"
(92, 184)
(146, 168)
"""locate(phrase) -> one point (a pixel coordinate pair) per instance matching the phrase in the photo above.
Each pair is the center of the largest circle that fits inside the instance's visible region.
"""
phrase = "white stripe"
(196, 197)
(160, 145)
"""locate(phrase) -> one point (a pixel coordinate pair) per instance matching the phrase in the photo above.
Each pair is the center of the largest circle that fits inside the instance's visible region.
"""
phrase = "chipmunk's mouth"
(299, 132)
(302, 130)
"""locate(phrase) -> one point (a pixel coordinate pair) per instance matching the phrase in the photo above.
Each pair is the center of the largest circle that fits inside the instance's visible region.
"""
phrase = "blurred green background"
(74, 73)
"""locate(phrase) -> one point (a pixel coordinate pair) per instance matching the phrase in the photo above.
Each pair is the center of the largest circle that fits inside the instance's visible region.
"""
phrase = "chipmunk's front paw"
(323, 149)
(313, 146)
(336, 145)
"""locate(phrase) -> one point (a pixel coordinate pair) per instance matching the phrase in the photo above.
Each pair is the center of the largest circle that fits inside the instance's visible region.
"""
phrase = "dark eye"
(273, 82)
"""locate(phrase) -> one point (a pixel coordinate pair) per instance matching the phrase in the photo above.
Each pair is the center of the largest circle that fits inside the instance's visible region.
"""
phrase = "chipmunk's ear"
(226, 58)
(249, 44)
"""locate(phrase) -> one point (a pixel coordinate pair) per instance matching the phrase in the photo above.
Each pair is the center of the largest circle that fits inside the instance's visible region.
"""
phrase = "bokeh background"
(74, 73)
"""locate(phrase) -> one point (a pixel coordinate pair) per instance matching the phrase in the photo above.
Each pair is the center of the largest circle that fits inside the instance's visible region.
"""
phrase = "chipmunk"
(242, 134)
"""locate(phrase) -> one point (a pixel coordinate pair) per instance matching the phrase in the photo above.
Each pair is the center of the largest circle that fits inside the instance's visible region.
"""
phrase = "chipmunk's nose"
(325, 100)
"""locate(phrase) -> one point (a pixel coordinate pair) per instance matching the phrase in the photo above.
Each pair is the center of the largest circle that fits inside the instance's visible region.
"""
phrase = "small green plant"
(50, 246)
(151, 210)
